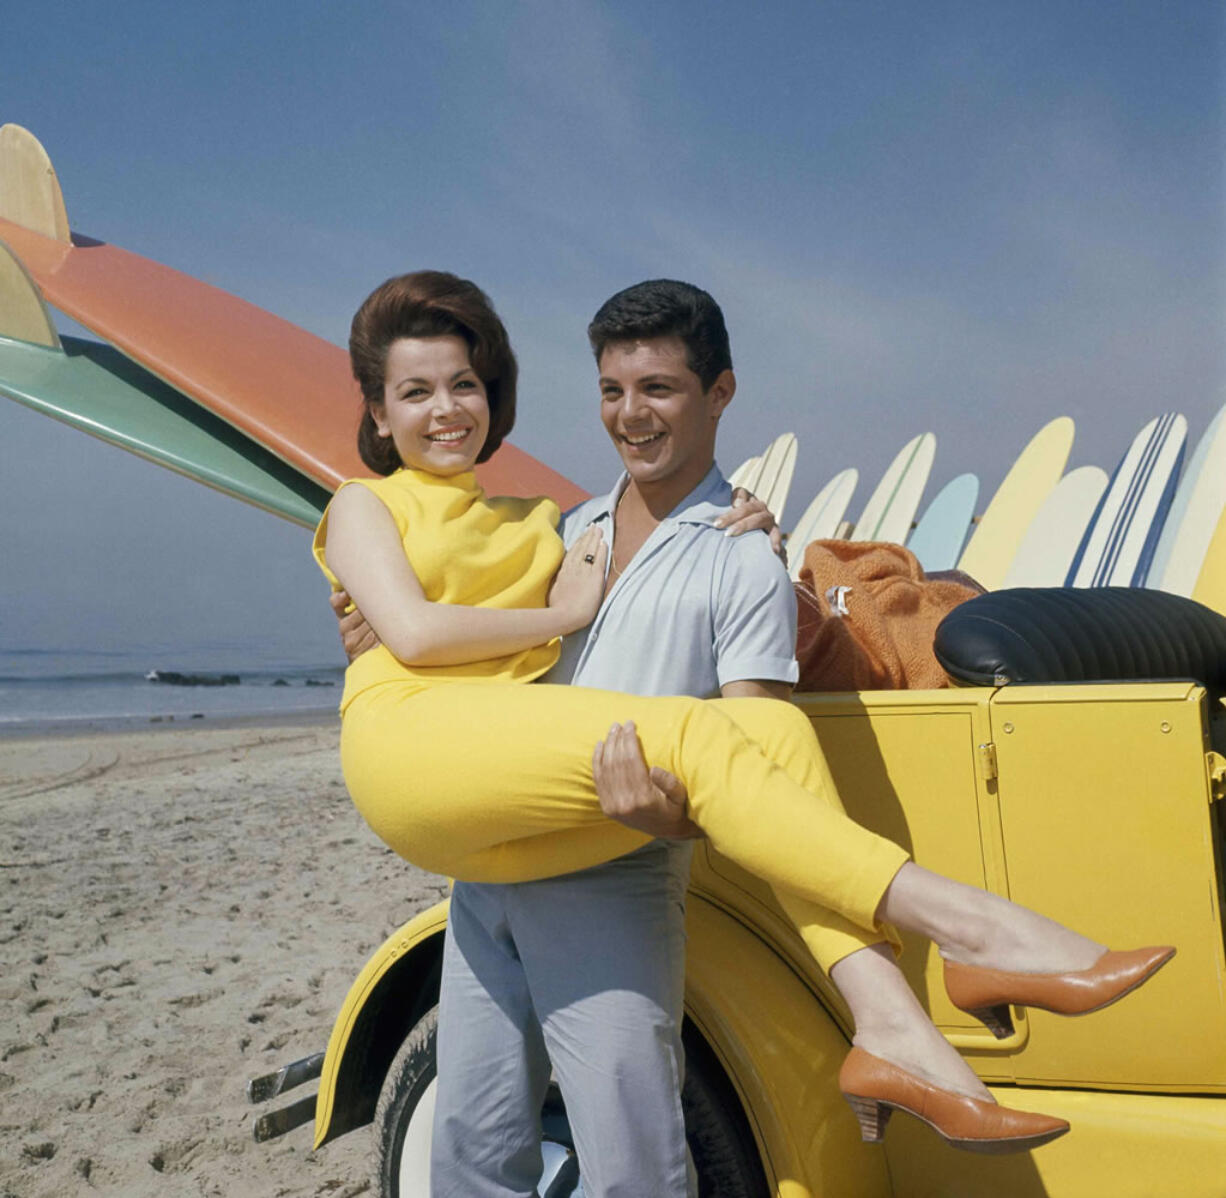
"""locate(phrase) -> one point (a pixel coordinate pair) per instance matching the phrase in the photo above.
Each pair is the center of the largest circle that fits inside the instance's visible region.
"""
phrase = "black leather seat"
(1062, 634)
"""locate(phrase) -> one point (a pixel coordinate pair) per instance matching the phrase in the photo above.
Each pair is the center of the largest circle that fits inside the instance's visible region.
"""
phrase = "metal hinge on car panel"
(1217, 776)
(987, 761)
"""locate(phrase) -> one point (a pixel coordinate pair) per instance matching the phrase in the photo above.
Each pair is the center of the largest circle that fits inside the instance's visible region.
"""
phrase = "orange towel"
(867, 617)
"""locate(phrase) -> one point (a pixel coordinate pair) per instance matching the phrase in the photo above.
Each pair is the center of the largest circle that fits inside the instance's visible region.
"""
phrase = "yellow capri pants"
(492, 782)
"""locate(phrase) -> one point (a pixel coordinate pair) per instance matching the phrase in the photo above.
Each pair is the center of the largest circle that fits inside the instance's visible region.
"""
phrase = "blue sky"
(967, 218)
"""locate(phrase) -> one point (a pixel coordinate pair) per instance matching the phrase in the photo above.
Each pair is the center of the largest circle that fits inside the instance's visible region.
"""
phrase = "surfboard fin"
(23, 313)
(30, 193)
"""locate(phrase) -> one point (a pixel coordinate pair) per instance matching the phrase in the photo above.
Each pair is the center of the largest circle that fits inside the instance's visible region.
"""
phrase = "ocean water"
(41, 686)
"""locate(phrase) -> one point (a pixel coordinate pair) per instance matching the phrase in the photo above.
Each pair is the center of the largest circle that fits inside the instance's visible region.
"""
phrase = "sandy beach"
(183, 908)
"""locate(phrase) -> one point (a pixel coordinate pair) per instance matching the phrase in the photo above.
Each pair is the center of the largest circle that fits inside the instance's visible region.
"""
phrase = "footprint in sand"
(197, 999)
(174, 1157)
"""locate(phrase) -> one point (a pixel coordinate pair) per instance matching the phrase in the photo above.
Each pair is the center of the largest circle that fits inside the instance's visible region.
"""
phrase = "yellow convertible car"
(1097, 802)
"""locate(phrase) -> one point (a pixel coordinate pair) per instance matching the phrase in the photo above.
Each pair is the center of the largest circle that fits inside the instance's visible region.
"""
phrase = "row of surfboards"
(236, 398)
(1150, 523)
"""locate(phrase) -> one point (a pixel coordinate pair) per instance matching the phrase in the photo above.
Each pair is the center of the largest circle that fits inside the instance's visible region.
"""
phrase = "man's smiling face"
(655, 409)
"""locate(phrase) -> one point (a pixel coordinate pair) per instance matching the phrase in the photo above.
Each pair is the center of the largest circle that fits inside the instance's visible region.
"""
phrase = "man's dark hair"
(666, 308)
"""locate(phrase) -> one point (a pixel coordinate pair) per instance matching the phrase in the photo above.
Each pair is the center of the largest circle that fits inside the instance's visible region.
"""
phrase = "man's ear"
(720, 393)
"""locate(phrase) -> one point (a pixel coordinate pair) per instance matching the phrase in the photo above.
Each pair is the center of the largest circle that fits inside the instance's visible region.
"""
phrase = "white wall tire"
(720, 1140)
(404, 1116)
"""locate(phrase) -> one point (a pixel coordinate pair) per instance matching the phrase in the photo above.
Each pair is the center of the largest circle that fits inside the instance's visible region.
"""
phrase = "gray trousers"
(586, 972)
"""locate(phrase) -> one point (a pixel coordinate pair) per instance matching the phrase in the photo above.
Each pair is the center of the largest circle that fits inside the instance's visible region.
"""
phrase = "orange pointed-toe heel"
(988, 993)
(874, 1089)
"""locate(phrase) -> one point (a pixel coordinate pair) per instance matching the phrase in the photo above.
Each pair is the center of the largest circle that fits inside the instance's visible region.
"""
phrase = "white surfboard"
(938, 538)
(1119, 544)
(822, 517)
(1030, 480)
(888, 514)
(1046, 552)
(1195, 513)
(746, 470)
(775, 481)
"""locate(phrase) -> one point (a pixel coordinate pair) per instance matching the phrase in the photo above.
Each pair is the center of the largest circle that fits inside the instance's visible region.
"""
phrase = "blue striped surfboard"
(1120, 542)
(1194, 515)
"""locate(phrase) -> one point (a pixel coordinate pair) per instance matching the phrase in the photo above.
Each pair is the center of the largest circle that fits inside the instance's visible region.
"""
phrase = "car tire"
(404, 1115)
(721, 1142)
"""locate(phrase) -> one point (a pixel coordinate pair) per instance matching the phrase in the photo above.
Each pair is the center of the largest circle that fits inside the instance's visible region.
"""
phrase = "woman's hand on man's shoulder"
(749, 514)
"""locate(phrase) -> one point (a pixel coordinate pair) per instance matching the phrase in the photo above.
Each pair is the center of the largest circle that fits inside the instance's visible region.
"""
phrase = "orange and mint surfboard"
(285, 388)
(95, 388)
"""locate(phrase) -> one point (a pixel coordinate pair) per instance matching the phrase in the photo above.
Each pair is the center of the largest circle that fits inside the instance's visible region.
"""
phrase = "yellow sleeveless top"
(466, 549)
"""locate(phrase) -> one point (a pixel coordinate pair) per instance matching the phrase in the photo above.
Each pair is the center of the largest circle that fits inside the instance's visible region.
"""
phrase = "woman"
(466, 776)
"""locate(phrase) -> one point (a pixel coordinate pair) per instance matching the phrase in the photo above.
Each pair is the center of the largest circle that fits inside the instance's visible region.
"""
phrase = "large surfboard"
(1119, 544)
(890, 509)
(1210, 586)
(941, 532)
(1047, 550)
(285, 388)
(94, 388)
(1195, 513)
(775, 478)
(821, 518)
(1030, 480)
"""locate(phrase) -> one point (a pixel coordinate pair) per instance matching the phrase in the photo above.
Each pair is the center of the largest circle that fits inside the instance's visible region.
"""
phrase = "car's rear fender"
(396, 987)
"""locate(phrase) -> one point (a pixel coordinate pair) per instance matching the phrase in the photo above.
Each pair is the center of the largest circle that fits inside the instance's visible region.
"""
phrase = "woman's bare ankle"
(891, 1023)
(926, 1054)
(975, 927)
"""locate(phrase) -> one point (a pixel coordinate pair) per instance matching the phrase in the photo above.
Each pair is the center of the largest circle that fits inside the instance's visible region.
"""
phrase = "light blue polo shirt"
(712, 608)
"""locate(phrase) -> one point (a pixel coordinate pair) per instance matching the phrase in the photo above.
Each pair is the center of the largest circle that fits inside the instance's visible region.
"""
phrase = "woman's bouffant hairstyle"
(430, 303)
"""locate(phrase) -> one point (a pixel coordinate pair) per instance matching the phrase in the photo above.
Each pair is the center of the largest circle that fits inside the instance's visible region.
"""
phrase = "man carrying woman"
(466, 772)
(586, 971)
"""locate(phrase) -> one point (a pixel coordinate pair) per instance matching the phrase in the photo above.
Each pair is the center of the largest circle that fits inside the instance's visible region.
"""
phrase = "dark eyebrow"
(426, 382)
(659, 377)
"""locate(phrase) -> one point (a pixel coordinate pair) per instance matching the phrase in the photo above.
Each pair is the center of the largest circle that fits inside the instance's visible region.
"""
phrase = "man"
(586, 971)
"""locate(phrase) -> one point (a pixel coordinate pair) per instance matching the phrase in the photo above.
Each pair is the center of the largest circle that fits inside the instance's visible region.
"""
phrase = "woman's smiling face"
(434, 406)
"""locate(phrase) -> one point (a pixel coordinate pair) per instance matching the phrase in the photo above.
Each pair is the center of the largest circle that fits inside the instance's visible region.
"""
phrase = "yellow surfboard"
(1210, 586)
(995, 541)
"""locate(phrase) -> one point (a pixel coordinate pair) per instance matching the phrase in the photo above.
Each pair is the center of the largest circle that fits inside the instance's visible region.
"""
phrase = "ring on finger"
(590, 558)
